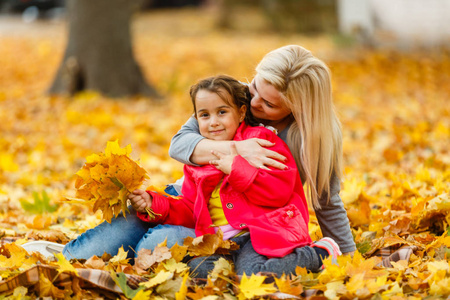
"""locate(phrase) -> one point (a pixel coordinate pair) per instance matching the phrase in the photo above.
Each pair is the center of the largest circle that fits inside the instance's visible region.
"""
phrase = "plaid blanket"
(90, 278)
(394, 253)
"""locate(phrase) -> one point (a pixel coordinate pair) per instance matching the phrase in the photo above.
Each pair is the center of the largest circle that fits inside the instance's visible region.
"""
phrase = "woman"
(292, 93)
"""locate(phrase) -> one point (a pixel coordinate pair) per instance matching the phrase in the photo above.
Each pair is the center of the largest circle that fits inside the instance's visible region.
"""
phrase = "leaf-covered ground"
(395, 112)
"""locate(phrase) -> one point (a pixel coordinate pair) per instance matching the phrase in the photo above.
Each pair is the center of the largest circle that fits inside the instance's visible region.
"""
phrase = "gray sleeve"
(184, 142)
(333, 218)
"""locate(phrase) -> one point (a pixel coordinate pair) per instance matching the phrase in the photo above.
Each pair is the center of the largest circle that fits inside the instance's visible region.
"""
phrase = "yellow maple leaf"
(15, 255)
(175, 267)
(112, 147)
(286, 285)
(120, 257)
(64, 265)
(254, 286)
(47, 289)
(178, 252)
(333, 271)
(360, 265)
(352, 189)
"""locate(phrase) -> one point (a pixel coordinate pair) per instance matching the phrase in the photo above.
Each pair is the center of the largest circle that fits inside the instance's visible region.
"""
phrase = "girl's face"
(217, 120)
(266, 103)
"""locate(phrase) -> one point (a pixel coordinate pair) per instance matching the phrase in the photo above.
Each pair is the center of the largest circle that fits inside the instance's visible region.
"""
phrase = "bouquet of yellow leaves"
(108, 178)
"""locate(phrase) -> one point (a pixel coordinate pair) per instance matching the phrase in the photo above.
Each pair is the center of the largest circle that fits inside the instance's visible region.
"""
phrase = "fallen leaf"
(161, 277)
(95, 262)
(181, 294)
(288, 286)
(209, 244)
(120, 257)
(121, 280)
(254, 286)
(64, 265)
(47, 289)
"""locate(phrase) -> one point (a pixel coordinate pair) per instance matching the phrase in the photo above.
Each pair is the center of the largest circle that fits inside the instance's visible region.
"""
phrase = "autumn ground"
(394, 109)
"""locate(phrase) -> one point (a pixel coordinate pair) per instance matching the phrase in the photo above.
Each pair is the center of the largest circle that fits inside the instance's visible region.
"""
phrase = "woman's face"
(266, 103)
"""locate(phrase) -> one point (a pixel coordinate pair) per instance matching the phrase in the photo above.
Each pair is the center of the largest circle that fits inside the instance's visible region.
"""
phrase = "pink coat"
(269, 203)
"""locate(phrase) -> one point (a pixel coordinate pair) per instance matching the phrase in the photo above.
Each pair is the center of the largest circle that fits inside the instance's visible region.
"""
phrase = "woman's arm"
(185, 141)
(190, 148)
(333, 219)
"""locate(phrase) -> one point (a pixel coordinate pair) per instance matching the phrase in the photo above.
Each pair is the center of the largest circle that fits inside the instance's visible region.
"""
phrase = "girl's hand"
(140, 200)
(254, 152)
(224, 161)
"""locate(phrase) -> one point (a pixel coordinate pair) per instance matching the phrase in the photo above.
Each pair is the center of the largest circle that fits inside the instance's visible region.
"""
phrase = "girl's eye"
(221, 112)
(203, 115)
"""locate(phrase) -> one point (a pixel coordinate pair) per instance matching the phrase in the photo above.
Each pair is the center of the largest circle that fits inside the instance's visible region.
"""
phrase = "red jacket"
(269, 203)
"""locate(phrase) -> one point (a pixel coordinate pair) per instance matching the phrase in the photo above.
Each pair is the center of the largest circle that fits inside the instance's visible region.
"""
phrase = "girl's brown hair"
(223, 85)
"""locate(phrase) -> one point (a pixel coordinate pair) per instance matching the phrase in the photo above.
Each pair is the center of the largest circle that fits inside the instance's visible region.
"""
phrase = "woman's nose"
(256, 101)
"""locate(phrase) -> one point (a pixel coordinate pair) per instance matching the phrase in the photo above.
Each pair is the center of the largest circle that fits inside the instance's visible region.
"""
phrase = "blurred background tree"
(99, 54)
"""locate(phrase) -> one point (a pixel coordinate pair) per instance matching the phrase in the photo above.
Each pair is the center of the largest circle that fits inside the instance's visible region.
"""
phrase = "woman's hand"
(225, 161)
(140, 200)
(254, 152)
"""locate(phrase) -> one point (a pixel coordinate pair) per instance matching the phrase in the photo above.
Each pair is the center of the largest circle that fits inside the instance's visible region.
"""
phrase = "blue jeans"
(131, 233)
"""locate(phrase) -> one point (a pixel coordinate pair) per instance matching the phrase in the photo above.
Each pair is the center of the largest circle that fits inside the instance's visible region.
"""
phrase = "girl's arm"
(174, 211)
(168, 210)
(190, 148)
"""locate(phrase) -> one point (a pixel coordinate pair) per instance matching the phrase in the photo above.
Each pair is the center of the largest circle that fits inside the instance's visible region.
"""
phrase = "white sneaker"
(43, 247)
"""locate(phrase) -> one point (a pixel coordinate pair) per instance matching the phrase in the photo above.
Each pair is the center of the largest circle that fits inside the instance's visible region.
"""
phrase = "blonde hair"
(315, 137)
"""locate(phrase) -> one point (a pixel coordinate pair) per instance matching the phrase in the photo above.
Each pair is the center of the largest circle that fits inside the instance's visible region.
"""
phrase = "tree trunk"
(99, 53)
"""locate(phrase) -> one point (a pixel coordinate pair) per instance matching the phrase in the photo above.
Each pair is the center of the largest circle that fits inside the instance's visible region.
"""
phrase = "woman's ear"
(242, 112)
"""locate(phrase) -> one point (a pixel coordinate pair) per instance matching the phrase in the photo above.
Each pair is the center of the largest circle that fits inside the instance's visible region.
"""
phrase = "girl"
(263, 210)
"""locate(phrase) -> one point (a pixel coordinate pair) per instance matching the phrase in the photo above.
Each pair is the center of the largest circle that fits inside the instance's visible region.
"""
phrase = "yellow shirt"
(215, 208)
